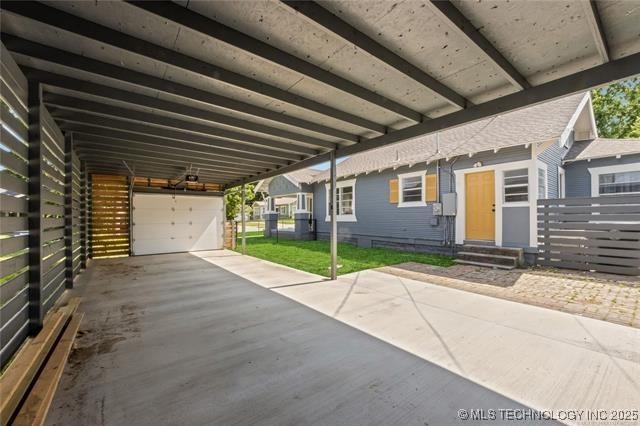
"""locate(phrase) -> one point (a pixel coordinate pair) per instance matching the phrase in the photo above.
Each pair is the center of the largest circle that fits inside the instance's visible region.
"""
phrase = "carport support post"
(334, 223)
(244, 224)
(35, 203)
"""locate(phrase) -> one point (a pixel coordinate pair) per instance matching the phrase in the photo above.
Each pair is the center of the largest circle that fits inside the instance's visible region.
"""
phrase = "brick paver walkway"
(606, 297)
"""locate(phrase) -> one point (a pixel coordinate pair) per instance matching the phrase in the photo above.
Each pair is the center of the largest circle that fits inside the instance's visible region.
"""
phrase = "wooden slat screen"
(14, 244)
(53, 183)
(109, 216)
(76, 202)
(599, 233)
(165, 183)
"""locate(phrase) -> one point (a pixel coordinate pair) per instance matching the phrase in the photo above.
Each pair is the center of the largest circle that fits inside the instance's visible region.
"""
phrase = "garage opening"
(169, 223)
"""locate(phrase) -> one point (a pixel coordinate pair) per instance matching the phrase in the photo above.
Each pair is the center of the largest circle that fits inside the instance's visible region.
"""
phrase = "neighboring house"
(487, 177)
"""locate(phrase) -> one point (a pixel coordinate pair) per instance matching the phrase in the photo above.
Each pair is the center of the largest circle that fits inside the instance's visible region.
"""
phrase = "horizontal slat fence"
(53, 217)
(594, 234)
(109, 216)
(14, 228)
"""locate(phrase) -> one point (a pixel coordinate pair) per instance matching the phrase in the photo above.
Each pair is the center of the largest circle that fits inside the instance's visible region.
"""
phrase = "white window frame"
(540, 165)
(302, 202)
(597, 171)
(401, 178)
(561, 182)
(501, 176)
(341, 217)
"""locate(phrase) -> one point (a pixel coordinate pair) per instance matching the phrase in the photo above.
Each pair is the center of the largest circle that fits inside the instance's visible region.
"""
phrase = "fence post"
(68, 209)
(36, 312)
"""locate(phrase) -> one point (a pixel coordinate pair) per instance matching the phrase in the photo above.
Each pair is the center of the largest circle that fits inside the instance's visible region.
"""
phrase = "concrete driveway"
(539, 357)
(177, 339)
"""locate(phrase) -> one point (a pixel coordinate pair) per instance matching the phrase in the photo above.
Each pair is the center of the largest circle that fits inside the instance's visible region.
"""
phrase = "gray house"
(475, 185)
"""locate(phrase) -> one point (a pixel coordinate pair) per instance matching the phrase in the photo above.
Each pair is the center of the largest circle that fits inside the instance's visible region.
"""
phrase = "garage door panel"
(168, 224)
(158, 216)
(202, 241)
(200, 216)
(150, 231)
(153, 201)
(198, 203)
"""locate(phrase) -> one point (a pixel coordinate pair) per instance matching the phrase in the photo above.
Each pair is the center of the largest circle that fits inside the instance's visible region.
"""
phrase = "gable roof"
(540, 123)
(602, 147)
(296, 177)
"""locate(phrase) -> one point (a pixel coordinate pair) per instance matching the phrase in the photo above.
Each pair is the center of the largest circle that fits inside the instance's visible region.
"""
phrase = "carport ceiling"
(243, 90)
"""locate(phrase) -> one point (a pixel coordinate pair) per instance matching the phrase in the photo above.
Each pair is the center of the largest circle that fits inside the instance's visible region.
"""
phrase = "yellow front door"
(480, 196)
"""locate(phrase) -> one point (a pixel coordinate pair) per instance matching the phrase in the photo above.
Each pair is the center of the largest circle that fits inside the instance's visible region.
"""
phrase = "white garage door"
(164, 223)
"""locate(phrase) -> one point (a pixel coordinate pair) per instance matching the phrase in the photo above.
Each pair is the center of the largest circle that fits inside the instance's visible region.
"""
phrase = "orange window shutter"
(393, 191)
(431, 188)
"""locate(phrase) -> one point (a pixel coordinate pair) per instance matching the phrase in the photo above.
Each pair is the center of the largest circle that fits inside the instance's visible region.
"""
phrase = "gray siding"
(280, 185)
(552, 157)
(380, 223)
(578, 178)
(376, 217)
(515, 226)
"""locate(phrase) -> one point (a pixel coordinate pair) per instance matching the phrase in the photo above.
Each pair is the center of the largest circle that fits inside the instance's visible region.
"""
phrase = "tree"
(617, 109)
(233, 200)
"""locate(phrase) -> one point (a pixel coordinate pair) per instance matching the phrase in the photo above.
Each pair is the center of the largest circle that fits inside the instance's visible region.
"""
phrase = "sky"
(325, 165)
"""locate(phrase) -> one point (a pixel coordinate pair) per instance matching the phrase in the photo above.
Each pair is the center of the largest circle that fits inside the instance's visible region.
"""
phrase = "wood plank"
(591, 242)
(595, 226)
(12, 162)
(13, 224)
(12, 183)
(592, 260)
(35, 408)
(563, 264)
(600, 217)
(584, 201)
(600, 251)
(583, 209)
(13, 143)
(18, 376)
(13, 204)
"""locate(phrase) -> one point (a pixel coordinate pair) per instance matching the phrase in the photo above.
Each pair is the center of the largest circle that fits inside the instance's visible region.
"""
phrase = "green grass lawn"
(314, 257)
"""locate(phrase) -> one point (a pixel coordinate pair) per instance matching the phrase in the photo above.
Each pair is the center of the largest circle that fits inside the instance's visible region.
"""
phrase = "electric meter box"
(449, 204)
(436, 209)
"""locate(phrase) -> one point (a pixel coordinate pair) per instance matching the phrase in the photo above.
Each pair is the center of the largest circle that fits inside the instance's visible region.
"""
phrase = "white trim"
(562, 182)
(259, 185)
(564, 137)
(401, 177)
(499, 170)
(307, 195)
(597, 171)
(542, 165)
(341, 217)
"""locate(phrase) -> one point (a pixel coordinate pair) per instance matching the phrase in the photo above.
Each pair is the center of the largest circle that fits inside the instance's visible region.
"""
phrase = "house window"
(619, 183)
(346, 202)
(516, 185)
(411, 189)
(542, 183)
